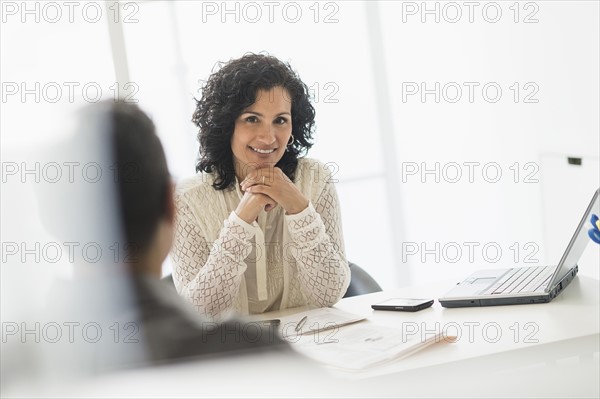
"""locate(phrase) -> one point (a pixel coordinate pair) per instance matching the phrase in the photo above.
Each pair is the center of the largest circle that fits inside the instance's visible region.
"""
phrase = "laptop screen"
(577, 244)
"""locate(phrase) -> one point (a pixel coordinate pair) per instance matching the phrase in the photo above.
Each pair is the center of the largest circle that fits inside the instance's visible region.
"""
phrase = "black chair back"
(361, 282)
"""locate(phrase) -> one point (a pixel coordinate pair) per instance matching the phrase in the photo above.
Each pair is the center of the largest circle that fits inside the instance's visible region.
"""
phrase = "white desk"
(546, 349)
(574, 317)
(564, 362)
(549, 350)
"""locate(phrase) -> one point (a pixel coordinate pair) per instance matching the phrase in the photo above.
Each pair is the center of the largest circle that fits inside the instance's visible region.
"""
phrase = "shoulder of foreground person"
(173, 330)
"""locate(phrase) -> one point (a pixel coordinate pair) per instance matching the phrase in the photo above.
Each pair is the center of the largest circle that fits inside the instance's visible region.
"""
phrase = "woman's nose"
(267, 135)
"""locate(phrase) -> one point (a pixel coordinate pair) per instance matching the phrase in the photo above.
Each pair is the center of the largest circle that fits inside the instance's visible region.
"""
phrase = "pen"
(301, 323)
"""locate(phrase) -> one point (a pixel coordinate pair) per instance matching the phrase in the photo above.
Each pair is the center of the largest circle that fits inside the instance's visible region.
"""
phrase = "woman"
(259, 228)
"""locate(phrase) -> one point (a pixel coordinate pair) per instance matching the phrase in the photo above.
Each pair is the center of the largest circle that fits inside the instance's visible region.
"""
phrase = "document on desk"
(315, 320)
(361, 346)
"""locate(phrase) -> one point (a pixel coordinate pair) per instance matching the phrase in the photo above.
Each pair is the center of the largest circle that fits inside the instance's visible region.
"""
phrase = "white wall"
(557, 56)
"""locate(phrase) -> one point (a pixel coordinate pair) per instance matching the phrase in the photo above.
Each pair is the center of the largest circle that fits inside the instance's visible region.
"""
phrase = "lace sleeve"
(320, 256)
(209, 274)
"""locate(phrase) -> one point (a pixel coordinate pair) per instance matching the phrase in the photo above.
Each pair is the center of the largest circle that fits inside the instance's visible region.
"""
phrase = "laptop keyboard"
(521, 279)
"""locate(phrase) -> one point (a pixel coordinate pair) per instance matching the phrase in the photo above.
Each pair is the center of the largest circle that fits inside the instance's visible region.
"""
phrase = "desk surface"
(540, 345)
(484, 331)
(541, 350)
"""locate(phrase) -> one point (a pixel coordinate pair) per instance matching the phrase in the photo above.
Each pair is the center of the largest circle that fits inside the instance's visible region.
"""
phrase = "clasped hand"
(265, 188)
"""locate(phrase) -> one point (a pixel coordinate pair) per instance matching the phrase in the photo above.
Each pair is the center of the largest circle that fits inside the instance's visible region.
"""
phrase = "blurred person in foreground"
(259, 227)
(145, 194)
(112, 312)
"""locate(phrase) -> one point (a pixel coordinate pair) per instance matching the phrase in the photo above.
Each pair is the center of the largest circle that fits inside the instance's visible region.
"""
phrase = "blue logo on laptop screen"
(594, 232)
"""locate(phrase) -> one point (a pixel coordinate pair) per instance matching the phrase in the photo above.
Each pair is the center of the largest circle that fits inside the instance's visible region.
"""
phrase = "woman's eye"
(251, 119)
(280, 121)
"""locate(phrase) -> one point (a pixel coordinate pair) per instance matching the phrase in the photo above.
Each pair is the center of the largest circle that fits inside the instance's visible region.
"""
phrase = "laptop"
(522, 285)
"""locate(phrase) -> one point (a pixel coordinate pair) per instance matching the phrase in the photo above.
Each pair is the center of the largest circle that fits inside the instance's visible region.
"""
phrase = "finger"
(268, 203)
(268, 174)
(275, 174)
(251, 183)
(259, 189)
(271, 203)
(264, 198)
(247, 184)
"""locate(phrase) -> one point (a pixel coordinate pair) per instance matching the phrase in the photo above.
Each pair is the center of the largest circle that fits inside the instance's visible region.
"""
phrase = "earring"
(291, 142)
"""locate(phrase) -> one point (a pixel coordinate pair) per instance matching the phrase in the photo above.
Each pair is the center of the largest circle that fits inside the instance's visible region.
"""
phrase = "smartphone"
(403, 304)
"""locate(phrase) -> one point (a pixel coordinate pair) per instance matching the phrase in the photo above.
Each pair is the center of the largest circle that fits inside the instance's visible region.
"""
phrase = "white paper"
(317, 320)
(357, 347)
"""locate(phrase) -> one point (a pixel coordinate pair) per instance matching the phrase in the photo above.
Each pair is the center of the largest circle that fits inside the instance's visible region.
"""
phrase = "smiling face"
(262, 131)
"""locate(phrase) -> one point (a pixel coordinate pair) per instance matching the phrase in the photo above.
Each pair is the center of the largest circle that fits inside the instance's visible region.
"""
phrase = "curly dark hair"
(230, 90)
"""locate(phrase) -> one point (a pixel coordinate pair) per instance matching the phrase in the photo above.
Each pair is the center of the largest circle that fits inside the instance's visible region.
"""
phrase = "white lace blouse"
(221, 264)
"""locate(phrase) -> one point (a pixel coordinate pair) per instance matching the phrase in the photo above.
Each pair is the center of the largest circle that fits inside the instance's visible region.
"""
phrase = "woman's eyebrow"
(261, 115)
